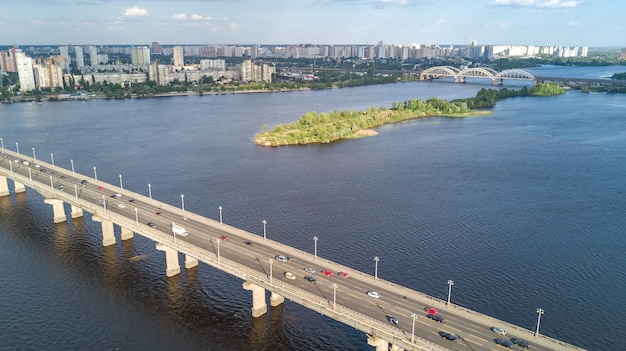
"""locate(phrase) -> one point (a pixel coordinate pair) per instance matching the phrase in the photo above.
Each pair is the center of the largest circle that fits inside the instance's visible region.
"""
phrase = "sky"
(592, 23)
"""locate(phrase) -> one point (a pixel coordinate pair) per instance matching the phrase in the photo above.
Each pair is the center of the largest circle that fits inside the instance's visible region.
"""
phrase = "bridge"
(253, 259)
(497, 78)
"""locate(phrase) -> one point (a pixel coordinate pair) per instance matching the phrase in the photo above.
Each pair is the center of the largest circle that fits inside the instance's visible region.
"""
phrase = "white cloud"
(135, 11)
(179, 17)
(537, 3)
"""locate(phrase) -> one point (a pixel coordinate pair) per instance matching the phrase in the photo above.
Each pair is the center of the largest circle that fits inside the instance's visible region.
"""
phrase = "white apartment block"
(177, 55)
(140, 56)
(80, 57)
(25, 72)
(212, 65)
(93, 56)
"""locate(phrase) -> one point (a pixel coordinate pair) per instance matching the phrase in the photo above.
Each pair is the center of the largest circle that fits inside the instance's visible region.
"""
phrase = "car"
(63, 177)
(498, 330)
(309, 270)
(309, 279)
(289, 258)
(113, 196)
(83, 182)
(121, 205)
(100, 187)
(327, 273)
(37, 166)
(504, 343)
(60, 186)
(151, 225)
(131, 200)
(448, 336)
(281, 258)
(520, 342)
(431, 310)
(42, 170)
(290, 275)
(393, 320)
(101, 201)
(248, 242)
(437, 318)
(373, 294)
(343, 274)
(224, 237)
(158, 213)
(118, 195)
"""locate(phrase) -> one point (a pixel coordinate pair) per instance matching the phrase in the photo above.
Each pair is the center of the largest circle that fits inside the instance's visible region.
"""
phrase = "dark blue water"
(522, 209)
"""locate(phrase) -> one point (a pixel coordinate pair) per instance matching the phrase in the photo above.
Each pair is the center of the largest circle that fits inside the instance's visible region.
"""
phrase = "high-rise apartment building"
(80, 57)
(25, 72)
(65, 53)
(157, 48)
(93, 56)
(140, 56)
(177, 55)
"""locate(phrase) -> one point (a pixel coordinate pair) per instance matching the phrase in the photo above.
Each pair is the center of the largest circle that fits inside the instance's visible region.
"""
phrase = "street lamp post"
(136, 216)
(104, 203)
(315, 241)
(17, 147)
(334, 296)
(51, 184)
(34, 155)
(76, 192)
(413, 315)
(72, 162)
(539, 313)
(150, 190)
(220, 208)
(30, 176)
(271, 278)
(95, 174)
(52, 158)
(182, 202)
(11, 167)
(121, 185)
(1, 143)
(450, 283)
(376, 259)
(264, 229)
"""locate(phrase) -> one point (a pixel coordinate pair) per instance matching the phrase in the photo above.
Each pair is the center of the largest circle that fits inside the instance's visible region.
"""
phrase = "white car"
(121, 205)
(309, 270)
(281, 258)
(498, 330)
(373, 294)
(290, 275)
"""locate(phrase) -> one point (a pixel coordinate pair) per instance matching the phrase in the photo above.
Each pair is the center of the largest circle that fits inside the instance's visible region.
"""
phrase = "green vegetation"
(314, 127)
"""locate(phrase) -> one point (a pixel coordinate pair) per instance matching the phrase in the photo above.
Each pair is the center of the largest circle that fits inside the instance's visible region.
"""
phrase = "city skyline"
(442, 22)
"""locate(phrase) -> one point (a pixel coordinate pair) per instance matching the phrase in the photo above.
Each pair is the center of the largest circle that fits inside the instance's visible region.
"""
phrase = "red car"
(158, 213)
(327, 273)
(224, 237)
(431, 310)
(343, 274)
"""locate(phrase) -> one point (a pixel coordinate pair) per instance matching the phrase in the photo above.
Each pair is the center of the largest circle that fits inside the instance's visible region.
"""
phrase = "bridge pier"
(4, 186)
(396, 348)
(276, 299)
(57, 208)
(126, 233)
(108, 238)
(378, 343)
(259, 307)
(19, 187)
(172, 266)
(76, 212)
(190, 262)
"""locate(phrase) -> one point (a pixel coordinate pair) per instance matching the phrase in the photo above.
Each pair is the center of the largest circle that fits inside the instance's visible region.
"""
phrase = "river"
(523, 209)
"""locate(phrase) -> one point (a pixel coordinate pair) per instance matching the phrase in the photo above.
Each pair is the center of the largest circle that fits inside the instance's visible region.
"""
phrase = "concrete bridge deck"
(343, 299)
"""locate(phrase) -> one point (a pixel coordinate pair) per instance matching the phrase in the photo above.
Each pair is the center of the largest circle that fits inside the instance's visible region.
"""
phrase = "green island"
(325, 128)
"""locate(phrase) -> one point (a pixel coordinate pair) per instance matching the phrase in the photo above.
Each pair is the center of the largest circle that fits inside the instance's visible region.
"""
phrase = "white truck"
(178, 230)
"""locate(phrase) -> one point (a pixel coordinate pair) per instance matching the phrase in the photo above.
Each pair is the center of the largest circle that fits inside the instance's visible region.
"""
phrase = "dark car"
(248, 242)
(151, 225)
(83, 182)
(393, 320)
(520, 342)
(448, 336)
(309, 279)
(504, 343)
(435, 317)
